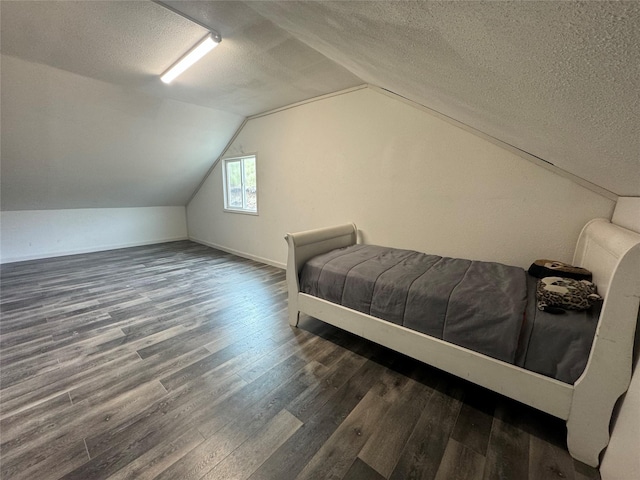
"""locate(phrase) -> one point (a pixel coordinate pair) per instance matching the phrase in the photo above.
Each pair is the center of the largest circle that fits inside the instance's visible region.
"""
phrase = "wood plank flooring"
(176, 361)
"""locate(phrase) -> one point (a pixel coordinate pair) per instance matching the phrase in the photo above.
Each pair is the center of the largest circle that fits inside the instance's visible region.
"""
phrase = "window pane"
(234, 184)
(250, 186)
(241, 184)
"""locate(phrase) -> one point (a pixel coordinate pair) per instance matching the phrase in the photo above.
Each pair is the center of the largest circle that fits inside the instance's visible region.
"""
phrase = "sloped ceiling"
(86, 121)
(559, 80)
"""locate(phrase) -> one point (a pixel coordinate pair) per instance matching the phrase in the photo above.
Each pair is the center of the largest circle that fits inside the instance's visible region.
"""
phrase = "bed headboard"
(313, 242)
(603, 247)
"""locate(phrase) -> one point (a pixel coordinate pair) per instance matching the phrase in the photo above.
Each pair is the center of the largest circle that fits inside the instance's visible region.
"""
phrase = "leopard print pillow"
(565, 293)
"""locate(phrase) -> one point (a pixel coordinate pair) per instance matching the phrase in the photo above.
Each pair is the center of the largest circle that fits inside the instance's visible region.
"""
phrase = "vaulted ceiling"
(86, 121)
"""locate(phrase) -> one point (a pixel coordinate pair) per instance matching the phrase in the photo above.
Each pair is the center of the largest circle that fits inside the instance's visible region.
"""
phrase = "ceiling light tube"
(191, 57)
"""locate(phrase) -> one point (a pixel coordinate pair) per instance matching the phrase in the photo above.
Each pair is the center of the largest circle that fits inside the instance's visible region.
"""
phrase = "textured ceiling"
(560, 80)
(69, 141)
(556, 79)
(257, 67)
(86, 121)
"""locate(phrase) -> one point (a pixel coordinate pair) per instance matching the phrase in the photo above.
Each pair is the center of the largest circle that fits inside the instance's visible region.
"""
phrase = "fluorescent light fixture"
(191, 57)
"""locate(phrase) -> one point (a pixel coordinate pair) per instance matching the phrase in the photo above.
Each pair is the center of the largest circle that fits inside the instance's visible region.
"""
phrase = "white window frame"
(244, 210)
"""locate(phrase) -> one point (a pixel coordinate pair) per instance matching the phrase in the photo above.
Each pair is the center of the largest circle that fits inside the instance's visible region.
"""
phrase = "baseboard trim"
(255, 258)
(104, 248)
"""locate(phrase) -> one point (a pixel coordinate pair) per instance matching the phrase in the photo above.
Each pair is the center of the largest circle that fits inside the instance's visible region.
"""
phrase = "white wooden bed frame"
(611, 252)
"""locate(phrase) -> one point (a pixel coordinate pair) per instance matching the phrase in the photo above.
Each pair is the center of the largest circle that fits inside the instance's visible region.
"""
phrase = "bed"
(610, 252)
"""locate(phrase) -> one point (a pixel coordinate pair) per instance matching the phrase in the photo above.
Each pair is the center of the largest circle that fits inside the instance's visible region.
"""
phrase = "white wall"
(627, 213)
(621, 459)
(407, 179)
(31, 234)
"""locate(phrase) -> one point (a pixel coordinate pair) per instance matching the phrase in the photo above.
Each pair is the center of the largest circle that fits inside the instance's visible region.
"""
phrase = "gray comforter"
(477, 305)
(486, 307)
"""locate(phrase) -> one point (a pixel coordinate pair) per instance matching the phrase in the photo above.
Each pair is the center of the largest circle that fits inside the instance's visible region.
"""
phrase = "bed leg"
(294, 317)
(585, 442)
(588, 424)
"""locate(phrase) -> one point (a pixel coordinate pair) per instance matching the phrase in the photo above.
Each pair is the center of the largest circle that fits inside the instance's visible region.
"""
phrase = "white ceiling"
(559, 80)
(99, 129)
(556, 79)
(257, 67)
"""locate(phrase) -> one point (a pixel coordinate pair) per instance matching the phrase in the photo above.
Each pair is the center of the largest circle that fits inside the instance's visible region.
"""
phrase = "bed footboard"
(306, 245)
(613, 254)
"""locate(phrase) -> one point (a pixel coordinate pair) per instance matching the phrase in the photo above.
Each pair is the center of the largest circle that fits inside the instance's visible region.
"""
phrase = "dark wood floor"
(176, 361)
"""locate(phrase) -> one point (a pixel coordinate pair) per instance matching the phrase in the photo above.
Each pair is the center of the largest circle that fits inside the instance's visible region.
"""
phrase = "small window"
(240, 184)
